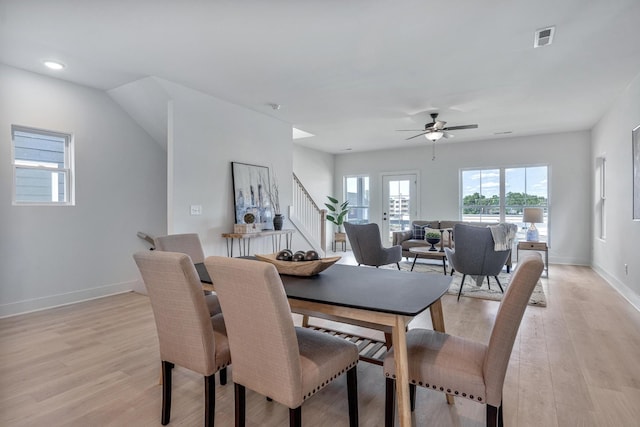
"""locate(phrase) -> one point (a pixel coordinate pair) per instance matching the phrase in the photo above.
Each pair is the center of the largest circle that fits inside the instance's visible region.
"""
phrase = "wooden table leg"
(437, 319)
(402, 372)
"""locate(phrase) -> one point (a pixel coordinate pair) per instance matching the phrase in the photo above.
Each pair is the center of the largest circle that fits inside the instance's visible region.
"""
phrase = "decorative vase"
(433, 241)
(278, 221)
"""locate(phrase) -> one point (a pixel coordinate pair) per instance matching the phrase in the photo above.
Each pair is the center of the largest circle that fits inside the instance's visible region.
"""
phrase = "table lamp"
(533, 216)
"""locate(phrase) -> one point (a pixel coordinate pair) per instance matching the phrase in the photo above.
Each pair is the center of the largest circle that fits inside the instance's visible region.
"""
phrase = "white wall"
(56, 255)
(566, 154)
(612, 137)
(206, 134)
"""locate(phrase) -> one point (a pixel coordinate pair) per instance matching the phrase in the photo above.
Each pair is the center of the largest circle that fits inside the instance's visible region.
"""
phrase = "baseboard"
(51, 301)
(628, 294)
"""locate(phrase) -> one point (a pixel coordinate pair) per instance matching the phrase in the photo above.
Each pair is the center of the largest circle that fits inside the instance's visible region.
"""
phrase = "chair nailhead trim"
(435, 387)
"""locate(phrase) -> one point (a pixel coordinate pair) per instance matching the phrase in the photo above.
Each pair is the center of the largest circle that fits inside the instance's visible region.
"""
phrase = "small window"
(42, 167)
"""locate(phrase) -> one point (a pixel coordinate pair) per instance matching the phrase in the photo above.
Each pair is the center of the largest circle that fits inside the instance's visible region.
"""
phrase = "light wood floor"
(575, 363)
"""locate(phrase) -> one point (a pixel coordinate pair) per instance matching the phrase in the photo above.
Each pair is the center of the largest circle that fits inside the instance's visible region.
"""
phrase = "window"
(500, 195)
(42, 167)
(356, 190)
(602, 212)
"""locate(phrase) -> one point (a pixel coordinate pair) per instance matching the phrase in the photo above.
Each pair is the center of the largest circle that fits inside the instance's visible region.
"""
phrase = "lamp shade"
(533, 215)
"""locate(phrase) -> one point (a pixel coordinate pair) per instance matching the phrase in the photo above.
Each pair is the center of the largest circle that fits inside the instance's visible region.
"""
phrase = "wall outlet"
(196, 209)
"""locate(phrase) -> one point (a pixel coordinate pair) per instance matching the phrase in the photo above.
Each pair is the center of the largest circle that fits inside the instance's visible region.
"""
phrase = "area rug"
(471, 290)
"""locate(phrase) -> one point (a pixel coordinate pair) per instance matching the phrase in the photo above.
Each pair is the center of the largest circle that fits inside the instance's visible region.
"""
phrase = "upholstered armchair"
(475, 254)
(366, 244)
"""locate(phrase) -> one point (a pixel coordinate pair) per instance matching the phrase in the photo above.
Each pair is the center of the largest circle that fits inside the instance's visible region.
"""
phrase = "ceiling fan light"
(434, 135)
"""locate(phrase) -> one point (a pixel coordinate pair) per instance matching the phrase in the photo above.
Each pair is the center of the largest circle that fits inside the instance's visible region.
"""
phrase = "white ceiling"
(350, 71)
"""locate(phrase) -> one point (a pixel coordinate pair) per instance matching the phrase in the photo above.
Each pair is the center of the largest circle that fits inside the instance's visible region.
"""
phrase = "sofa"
(415, 236)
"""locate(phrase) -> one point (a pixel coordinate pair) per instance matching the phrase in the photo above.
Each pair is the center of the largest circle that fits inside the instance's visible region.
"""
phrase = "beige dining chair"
(188, 243)
(187, 334)
(462, 367)
(270, 355)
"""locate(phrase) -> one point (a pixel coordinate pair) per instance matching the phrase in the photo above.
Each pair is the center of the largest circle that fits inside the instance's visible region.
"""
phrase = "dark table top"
(389, 291)
(368, 288)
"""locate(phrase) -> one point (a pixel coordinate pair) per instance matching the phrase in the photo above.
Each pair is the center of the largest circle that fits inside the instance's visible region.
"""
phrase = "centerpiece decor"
(432, 237)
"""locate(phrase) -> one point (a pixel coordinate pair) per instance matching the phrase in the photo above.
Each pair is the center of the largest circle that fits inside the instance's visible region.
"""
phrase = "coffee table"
(425, 252)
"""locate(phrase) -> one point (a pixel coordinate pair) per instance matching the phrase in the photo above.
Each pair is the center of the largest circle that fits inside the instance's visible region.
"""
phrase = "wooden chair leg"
(166, 392)
(295, 417)
(209, 400)
(389, 402)
(398, 264)
(464, 276)
(488, 283)
(240, 404)
(388, 340)
(499, 284)
(223, 376)
(500, 420)
(305, 321)
(352, 393)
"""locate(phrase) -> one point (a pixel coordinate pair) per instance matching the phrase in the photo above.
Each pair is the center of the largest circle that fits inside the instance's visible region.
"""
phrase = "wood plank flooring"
(575, 363)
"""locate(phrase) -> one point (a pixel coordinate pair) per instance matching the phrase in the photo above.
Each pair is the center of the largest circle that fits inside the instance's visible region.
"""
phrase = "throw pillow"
(418, 231)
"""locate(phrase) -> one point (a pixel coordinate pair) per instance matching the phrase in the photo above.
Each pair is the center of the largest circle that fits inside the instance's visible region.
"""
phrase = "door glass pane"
(399, 205)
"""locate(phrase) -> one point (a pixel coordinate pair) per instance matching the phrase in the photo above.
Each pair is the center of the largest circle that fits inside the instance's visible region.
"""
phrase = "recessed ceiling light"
(54, 65)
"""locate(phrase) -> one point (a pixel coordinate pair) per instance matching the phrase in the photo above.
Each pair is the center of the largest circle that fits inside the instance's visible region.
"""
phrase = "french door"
(399, 204)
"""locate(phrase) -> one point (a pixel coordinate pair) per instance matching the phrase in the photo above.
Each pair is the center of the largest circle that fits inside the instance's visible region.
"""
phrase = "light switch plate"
(196, 209)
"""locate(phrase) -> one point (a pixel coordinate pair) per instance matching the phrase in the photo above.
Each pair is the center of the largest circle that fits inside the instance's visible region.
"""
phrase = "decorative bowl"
(299, 268)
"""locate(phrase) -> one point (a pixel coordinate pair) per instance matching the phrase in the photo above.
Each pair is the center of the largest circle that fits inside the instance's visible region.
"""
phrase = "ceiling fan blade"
(461, 127)
(415, 136)
(447, 135)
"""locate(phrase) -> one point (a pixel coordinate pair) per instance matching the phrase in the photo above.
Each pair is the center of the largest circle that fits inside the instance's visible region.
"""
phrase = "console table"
(244, 240)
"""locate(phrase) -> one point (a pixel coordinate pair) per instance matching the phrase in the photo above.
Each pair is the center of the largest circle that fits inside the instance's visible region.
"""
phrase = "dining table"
(388, 299)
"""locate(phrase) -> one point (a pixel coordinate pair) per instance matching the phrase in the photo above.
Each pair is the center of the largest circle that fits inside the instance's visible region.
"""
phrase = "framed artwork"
(250, 194)
(636, 172)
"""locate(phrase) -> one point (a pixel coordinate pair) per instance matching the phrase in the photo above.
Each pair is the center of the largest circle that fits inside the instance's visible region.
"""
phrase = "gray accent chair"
(270, 355)
(366, 244)
(188, 243)
(474, 254)
(464, 368)
(187, 334)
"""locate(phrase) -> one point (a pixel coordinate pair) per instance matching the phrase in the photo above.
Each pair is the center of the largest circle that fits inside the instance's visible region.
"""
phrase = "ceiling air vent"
(544, 37)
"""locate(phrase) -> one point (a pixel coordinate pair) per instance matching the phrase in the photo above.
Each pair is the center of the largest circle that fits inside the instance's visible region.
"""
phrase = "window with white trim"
(356, 191)
(42, 167)
(501, 194)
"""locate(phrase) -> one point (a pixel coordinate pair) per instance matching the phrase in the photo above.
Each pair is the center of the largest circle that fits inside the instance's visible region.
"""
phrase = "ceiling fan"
(435, 130)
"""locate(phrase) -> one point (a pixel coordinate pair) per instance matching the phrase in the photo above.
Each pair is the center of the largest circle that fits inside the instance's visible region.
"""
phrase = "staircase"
(308, 218)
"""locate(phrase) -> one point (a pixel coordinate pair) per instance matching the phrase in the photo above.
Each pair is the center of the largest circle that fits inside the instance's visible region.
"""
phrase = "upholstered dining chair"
(188, 243)
(475, 254)
(188, 335)
(465, 368)
(270, 355)
(366, 244)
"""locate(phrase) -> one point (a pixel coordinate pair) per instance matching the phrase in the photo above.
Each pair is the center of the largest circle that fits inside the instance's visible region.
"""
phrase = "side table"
(536, 246)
